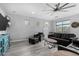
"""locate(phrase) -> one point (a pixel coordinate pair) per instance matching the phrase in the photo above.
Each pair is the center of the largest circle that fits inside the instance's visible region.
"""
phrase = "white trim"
(18, 40)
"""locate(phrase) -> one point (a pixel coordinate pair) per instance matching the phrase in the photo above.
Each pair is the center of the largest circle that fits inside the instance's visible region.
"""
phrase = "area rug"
(62, 53)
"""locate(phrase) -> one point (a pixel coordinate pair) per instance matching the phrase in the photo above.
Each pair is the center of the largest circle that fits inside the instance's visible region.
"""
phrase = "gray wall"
(75, 30)
(19, 31)
(53, 26)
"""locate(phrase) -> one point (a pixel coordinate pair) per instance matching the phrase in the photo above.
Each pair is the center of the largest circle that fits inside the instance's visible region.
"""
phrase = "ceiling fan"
(60, 7)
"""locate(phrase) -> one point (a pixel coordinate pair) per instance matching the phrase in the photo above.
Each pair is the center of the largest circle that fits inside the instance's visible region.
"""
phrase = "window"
(63, 26)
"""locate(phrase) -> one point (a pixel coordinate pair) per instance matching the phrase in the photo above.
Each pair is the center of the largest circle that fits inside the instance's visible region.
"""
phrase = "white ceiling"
(36, 10)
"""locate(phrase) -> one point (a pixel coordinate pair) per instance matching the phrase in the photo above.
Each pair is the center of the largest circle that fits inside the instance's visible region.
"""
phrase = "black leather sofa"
(62, 38)
(35, 38)
(76, 42)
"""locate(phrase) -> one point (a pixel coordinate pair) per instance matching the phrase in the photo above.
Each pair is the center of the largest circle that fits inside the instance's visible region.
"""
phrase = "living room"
(38, 29)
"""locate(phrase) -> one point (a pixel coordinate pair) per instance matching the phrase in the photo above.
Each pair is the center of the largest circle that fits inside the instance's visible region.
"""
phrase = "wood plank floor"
(25, 49)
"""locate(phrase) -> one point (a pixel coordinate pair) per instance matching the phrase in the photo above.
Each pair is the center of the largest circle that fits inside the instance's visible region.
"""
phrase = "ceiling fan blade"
(50, 6)
(57, 5)
(69, 6)
(64, 5)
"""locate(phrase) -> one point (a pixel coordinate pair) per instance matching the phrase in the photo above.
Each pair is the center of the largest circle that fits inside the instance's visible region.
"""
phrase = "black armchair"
(35, 38)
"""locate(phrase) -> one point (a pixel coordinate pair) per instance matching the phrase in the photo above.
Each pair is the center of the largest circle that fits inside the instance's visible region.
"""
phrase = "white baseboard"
(18, 40)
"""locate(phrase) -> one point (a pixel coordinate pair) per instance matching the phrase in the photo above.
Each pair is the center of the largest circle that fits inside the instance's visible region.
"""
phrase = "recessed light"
(46, 23)
(33, 12)
(26, 22)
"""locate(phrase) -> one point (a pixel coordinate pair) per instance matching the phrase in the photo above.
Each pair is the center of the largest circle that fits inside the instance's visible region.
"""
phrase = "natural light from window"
(63, 26)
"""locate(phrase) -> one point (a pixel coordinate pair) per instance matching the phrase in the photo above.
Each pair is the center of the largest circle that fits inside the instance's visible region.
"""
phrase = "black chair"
(35, 38)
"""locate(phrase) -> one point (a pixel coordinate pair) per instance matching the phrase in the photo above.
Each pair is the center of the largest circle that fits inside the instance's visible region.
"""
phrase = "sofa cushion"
(62, 38)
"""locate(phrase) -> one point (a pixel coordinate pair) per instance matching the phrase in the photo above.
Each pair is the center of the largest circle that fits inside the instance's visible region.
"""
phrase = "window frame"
(62, 25)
